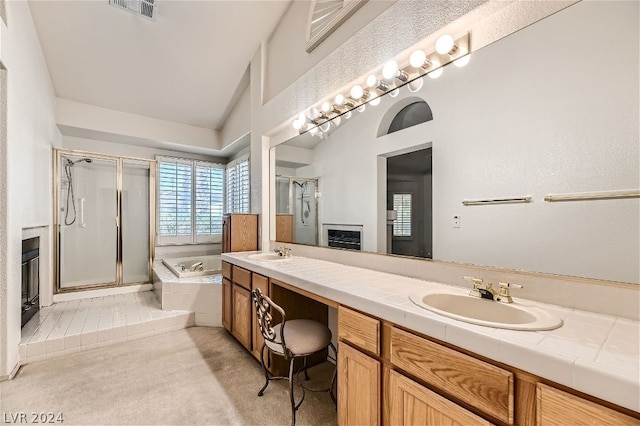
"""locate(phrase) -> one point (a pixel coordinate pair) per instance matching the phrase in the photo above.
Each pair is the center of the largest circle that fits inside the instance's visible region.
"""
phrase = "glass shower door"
(87, 214)
(135, 229)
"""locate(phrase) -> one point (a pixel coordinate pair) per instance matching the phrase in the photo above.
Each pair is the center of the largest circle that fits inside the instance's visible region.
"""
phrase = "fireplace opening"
(343, 236)
(30, 278)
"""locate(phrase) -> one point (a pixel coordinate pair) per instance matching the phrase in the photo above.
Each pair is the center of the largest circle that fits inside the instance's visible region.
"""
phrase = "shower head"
(71, 163)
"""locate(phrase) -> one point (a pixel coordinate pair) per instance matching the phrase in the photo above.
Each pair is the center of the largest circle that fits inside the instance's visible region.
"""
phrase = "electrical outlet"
(456, 221)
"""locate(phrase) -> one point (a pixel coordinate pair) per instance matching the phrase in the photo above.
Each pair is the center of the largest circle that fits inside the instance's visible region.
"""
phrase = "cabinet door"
(226, 304)
(241, 323)
(358, 388)
(261, 282)
(408, 403)
(555, 407)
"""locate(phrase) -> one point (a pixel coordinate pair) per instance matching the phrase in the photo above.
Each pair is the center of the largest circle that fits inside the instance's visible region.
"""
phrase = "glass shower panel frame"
(288, 200)
(122, 165)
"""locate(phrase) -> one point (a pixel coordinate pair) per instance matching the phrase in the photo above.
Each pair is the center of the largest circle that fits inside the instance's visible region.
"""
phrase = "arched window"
(412, 114)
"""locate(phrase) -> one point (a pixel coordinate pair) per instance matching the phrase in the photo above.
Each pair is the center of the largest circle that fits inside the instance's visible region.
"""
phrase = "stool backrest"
(264, 306)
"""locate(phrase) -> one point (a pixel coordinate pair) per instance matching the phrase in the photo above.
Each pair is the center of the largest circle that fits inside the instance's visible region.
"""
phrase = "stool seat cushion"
(302, 337)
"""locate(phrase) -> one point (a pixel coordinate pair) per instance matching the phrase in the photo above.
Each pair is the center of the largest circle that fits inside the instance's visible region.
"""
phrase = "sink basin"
(268, 257)
(457, 304)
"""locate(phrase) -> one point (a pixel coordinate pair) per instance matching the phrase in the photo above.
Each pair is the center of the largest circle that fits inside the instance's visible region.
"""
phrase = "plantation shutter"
(238, 189)
(402, 205)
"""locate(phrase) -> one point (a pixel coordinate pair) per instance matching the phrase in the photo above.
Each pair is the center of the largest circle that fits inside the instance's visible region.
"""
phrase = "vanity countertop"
(593, 353)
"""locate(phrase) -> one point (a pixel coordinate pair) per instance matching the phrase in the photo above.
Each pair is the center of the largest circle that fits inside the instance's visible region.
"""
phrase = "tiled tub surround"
(592, 353)
(201, 295)
(80, 325)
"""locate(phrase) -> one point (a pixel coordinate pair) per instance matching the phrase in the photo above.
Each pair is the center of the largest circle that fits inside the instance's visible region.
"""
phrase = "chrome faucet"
(199, 266)
(283, 251)
(486, 291)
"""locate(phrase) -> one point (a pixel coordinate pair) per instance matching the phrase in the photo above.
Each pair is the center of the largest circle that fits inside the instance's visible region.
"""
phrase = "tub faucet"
(283, 251)
(197, 266)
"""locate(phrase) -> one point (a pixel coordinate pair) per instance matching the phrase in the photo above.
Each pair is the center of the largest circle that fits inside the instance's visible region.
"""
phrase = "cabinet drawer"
(242, 277)
(408, 403)
(359, 329)
(476, 383)
(226, 270)
(555, 407)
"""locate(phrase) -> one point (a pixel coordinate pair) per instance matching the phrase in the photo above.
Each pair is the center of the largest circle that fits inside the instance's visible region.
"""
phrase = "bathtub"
(211, 265)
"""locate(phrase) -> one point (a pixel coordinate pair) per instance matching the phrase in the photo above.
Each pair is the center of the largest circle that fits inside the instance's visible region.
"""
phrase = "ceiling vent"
(146, 8)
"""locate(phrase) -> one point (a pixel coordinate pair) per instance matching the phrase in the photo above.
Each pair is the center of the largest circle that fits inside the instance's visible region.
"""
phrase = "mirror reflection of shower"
(298, 197)
(70, 202)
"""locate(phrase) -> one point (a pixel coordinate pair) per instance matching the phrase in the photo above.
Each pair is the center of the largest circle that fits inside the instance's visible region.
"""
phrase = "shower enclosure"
(104, 216)
(298, 196)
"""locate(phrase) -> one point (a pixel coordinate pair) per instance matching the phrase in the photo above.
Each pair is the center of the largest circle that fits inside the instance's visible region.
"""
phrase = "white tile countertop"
(592, 353)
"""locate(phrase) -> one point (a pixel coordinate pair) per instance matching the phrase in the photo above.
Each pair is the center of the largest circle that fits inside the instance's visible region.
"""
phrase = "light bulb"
(372, 81)
(361, 108)
(347, 115)
(339, 100)
(461, 62)
(375, 101)
(390, 70)
(357, 92)
(326, 107)
(313, 131)
(297, 124)
(415, 85)
(394, 93)
(445, 45)
(436, 73)
(336, 121)
(417, 59)
(302, 118)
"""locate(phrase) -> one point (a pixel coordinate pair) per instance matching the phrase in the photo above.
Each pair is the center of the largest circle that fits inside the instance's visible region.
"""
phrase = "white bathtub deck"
(80, 325)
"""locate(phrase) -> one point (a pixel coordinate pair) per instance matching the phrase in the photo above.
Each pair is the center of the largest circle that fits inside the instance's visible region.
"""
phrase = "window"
(402, 224)
(238, 193)
(190, 201)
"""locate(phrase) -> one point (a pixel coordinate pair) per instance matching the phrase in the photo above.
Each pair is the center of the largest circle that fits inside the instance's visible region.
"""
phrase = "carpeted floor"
(199, 375)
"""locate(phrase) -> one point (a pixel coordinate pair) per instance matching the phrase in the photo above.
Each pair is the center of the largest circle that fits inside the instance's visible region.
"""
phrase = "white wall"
(30, 133)
(543, 121)
(288, 59)
(238, 123)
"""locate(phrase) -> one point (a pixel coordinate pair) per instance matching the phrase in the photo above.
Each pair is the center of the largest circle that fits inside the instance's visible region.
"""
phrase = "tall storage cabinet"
(239, 232)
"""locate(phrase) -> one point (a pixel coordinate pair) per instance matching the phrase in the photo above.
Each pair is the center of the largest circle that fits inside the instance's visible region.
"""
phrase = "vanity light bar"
(430, 62)
(509, 200)
(602, 195)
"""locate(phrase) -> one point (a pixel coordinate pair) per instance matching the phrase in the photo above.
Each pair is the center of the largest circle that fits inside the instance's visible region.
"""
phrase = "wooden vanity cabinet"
(359, 368)
(409, 403)
(239, 232)
(261, 282)
(226, 296)
(558, 408)
(241, 306)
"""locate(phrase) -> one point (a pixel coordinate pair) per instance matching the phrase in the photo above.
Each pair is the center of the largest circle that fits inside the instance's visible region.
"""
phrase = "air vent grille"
(146, 8)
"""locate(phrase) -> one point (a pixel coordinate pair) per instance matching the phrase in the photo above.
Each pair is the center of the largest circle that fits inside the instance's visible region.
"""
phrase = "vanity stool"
(291, 339)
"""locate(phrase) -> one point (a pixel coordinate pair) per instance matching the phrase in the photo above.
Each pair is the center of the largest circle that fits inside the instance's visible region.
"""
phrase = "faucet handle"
(503, 292)
(477, 282)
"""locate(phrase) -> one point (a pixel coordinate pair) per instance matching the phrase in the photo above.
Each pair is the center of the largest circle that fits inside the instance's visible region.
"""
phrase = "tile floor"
(80, 325)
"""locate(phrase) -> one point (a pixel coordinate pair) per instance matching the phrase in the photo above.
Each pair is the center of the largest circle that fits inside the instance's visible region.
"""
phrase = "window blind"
(402, 205)
(190, 201)
(238, 186)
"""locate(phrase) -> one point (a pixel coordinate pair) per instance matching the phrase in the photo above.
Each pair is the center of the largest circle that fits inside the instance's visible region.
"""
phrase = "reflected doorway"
(409, 204)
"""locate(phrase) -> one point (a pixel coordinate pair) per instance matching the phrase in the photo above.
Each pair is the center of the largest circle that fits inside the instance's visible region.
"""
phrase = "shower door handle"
(82, 224)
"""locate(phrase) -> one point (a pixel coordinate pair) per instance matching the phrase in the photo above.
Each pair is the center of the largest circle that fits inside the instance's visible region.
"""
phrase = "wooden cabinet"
(409, 403)
(358, 329)
(261, 282)
(555, 407)
(226, 304)
(358, 387)
(239, 232)
(284, 228)
(479, 384)
(241, 323)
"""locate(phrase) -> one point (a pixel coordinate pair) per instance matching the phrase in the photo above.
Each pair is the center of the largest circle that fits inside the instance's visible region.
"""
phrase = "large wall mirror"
(550, 109)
